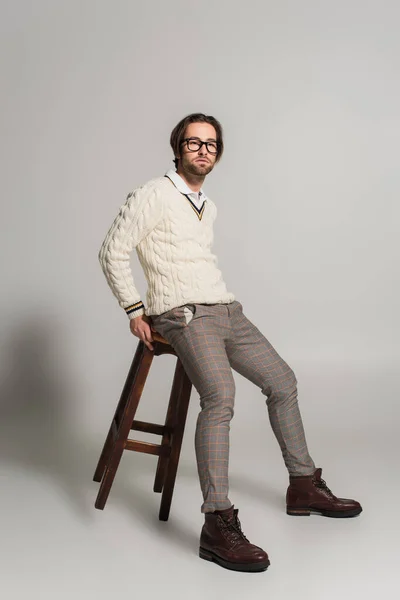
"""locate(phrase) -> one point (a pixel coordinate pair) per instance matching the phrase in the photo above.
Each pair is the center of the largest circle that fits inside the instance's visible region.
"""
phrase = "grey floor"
(56, 545)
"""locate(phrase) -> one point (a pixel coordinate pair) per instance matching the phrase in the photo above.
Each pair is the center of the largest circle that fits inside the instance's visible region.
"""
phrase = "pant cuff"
(212, 506)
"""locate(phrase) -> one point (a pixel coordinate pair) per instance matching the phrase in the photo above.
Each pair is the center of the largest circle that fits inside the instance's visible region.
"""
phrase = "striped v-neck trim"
(199, 211)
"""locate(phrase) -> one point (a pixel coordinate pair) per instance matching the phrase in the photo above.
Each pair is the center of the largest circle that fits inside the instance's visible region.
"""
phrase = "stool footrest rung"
(150, 427)
(147, 448)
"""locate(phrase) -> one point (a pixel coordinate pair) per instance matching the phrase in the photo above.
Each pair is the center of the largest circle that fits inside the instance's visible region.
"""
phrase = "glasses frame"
(187, 140)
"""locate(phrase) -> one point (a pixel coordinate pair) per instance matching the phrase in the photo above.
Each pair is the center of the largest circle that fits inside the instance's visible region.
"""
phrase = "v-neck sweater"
(173, 239)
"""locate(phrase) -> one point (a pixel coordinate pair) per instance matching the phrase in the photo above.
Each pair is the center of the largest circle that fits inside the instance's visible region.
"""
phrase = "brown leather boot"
(223, 541)
(310, 493)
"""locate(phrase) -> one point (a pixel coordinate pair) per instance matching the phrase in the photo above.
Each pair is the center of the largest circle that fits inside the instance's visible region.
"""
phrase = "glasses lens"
(212, 147)
(193, 145)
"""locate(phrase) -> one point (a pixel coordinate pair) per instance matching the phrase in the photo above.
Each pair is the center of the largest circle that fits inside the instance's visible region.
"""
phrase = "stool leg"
(105, 455)
(166, 438)
(124, 428)
(177, 436)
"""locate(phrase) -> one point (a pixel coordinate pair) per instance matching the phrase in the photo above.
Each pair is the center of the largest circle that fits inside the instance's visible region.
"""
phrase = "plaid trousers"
(210, 340)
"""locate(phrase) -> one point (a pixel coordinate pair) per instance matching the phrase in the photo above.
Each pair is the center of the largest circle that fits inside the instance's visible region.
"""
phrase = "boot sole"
(249, 568)
(306, 512)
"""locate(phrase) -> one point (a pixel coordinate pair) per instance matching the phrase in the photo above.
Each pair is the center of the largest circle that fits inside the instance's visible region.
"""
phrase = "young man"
(169, 220)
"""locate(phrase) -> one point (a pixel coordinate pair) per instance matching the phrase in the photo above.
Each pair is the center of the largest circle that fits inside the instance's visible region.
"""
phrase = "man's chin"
(200, 169)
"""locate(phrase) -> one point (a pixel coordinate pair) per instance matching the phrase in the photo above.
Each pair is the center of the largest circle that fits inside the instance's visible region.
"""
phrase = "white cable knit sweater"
(173, 240)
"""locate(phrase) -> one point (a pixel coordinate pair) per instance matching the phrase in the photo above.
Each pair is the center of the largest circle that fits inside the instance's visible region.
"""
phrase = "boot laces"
(322, 484)
(232, 529)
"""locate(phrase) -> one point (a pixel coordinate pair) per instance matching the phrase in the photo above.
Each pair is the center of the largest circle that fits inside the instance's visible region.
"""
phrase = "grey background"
(306, 237)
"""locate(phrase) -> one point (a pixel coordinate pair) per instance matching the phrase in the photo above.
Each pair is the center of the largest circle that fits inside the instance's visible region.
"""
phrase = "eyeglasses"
(194, 144)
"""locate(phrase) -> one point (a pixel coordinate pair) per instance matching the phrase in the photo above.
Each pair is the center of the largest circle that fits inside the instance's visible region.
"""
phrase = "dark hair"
(178, 133)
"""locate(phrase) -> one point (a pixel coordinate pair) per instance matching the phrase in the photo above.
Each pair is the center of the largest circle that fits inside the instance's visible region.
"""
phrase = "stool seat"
(171, 432)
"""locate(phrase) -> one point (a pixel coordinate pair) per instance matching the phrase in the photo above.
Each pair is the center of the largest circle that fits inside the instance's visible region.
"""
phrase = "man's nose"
(203, 150)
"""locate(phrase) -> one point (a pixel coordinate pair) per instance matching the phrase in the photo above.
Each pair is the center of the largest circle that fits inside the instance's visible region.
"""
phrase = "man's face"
(199, 162)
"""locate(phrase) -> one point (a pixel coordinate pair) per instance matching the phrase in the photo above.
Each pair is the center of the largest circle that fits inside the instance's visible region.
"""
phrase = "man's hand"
(140, 326)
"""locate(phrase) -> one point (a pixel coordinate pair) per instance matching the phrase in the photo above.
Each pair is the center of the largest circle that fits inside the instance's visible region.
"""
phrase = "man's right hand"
(140, 326)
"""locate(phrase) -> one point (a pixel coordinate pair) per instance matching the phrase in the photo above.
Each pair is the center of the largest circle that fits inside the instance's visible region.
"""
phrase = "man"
(169, 220)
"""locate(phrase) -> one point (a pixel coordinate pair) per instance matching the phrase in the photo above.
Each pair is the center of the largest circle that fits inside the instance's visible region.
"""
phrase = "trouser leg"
(251, 355)
(200, 344)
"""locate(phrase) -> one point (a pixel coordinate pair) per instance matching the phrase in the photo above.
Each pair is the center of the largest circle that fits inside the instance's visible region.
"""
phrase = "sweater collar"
(183, 187)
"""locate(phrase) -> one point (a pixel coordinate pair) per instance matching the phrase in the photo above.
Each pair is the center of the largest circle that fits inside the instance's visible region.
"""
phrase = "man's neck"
(193, 181)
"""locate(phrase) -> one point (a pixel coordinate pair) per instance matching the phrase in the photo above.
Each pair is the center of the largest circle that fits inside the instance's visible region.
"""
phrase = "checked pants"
(211, 340)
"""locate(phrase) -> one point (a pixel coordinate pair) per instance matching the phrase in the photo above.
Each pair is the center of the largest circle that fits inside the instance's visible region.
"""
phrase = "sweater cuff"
(135, 310)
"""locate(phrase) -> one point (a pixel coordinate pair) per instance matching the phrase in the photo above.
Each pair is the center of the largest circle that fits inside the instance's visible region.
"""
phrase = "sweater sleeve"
(142, 210)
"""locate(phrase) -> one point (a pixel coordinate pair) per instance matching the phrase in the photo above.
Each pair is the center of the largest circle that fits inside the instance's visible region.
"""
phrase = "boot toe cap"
(258, 554)
(349, 503)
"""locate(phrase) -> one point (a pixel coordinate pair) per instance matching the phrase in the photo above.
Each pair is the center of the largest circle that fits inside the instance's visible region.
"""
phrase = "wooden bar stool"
(168, 451)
